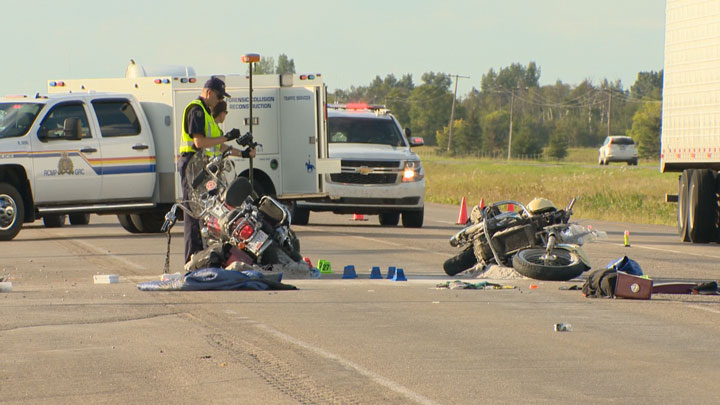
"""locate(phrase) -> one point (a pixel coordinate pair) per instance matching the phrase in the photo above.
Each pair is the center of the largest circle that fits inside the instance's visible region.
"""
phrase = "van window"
(51, 127)
(623, 140)
(116, 118)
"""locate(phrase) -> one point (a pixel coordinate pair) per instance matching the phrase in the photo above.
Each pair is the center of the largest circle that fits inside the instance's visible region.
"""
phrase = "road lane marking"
(661, 250)
(715, 311)
(106, 253)
(385, 382)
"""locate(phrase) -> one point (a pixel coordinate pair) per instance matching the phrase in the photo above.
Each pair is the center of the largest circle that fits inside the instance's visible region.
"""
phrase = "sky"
(348, 42)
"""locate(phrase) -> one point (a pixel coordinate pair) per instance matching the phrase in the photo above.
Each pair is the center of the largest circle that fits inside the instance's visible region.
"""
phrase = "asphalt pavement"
(65, 339)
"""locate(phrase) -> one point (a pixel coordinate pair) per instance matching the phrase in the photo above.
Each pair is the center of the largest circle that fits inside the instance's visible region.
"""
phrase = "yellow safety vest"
(211, 130)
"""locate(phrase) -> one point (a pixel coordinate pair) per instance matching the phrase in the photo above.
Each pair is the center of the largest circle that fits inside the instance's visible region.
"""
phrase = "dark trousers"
(193, 239)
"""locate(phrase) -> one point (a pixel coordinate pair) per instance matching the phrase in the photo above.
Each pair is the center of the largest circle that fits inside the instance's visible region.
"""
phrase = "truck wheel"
(79, 219)
(413, 219)
(703, 206)
(148, 222)
(54, 221)
(461, 262)
(682, 205)
(127, 223)
(12, 212)
(300, 216)
(565, 265)
(389, 218)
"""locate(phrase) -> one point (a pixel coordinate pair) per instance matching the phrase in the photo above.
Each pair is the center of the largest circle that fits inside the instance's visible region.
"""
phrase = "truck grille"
(367, 172)
(357, 178)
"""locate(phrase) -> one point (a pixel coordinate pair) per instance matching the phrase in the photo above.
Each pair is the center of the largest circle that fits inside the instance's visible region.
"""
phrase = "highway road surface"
(64, 339)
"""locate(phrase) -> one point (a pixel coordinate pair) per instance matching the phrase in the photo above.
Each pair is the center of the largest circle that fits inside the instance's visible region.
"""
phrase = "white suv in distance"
(618, 149)
(380, 174)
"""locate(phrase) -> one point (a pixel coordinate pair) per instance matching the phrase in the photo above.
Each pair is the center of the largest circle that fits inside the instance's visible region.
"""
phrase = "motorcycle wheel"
(565, 266)
(457, 264)
(277, 255)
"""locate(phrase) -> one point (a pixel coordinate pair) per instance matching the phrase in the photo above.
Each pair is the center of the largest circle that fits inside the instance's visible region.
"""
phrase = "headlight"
(413, 171)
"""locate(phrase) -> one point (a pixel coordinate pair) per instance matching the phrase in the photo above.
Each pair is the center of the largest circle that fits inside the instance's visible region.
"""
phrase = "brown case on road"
(629, 286)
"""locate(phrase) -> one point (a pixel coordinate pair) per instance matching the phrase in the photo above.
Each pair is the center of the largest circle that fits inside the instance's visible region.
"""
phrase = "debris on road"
(464, 285)
(106, 278)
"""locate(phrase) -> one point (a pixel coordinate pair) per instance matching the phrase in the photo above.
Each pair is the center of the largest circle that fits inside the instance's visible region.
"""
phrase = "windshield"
(364, 130)
(16, 118)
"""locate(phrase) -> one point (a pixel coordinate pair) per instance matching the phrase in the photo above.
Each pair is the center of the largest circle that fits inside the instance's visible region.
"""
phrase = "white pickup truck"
(109, 146)
(380, 174)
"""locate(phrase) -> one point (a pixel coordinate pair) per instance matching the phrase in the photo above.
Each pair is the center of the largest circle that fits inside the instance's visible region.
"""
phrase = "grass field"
(618, 192)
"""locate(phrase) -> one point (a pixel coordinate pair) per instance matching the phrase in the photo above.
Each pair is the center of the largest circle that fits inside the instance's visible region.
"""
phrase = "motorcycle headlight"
(412, 171)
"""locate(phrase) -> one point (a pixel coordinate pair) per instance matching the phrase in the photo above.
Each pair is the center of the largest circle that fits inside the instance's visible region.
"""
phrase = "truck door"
(65, 169)
(128, 165)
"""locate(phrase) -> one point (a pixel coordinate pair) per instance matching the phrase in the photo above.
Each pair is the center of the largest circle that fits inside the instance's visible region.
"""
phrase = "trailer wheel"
(702, 208)
(79, 219)
(12, 212)
(127, 223)
(148, 222)
(682, 205)
(54, 221)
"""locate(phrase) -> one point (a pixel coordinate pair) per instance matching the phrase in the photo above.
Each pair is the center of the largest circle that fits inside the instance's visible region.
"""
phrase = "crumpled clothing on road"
(219, 279)
(464, 285)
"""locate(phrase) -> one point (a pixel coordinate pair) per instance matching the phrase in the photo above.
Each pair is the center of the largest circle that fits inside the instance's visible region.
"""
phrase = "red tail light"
(247, 232)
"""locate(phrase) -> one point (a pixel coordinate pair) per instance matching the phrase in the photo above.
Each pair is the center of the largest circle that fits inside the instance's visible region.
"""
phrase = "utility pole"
(609, 109)
(512, 107)
(452, 112)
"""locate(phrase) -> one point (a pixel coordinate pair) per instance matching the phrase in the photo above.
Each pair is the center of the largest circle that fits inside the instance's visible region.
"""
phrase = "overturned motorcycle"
(537, 241)
(236, 223)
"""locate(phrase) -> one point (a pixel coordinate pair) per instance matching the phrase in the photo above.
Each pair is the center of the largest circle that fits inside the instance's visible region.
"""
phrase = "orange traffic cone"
(462, 216)
(511, 207)
(482, 204)
(358, 217)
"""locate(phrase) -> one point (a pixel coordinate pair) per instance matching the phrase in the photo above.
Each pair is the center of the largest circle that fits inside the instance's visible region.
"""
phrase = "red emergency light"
(356, 106)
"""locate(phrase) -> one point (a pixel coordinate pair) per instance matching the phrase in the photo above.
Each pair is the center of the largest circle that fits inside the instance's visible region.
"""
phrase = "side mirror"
(72, 129)
(417, 141)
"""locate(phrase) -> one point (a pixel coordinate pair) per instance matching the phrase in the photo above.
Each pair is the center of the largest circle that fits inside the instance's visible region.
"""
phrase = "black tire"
(53, 221)
(79, 219)
(457, 264)
(12, 212)
(682, 205)
(300, 216)
(127, 223)
(413, 219)
(148, 222)
(566, 265)
(389, 218)
(702, 207)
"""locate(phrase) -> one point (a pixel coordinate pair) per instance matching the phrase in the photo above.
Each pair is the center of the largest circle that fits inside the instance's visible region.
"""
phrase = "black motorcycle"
(538, 242)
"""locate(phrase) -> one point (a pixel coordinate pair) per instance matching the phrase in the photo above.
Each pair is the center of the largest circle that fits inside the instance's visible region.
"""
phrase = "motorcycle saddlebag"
(508, 241)
(629, 286)
(272, 212)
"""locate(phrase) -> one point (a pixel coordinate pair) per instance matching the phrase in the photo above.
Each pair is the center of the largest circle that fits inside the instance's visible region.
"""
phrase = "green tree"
(495, 130)
(648, 85)
(285, 65)
(557, 147)
(266, 66)
(529, 138)
(646, 130)
(463, 141)
(430, 106)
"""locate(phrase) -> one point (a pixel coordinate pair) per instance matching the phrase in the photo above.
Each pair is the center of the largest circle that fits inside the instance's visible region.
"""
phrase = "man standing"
(199, 131)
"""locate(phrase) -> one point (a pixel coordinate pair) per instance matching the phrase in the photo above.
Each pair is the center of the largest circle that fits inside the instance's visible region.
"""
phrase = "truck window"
(364, 130)
(116, 118)
(17, 118)
(51, 127)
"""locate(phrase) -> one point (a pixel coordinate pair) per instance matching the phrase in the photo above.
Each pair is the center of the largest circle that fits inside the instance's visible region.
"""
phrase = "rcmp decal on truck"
(120, 165)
